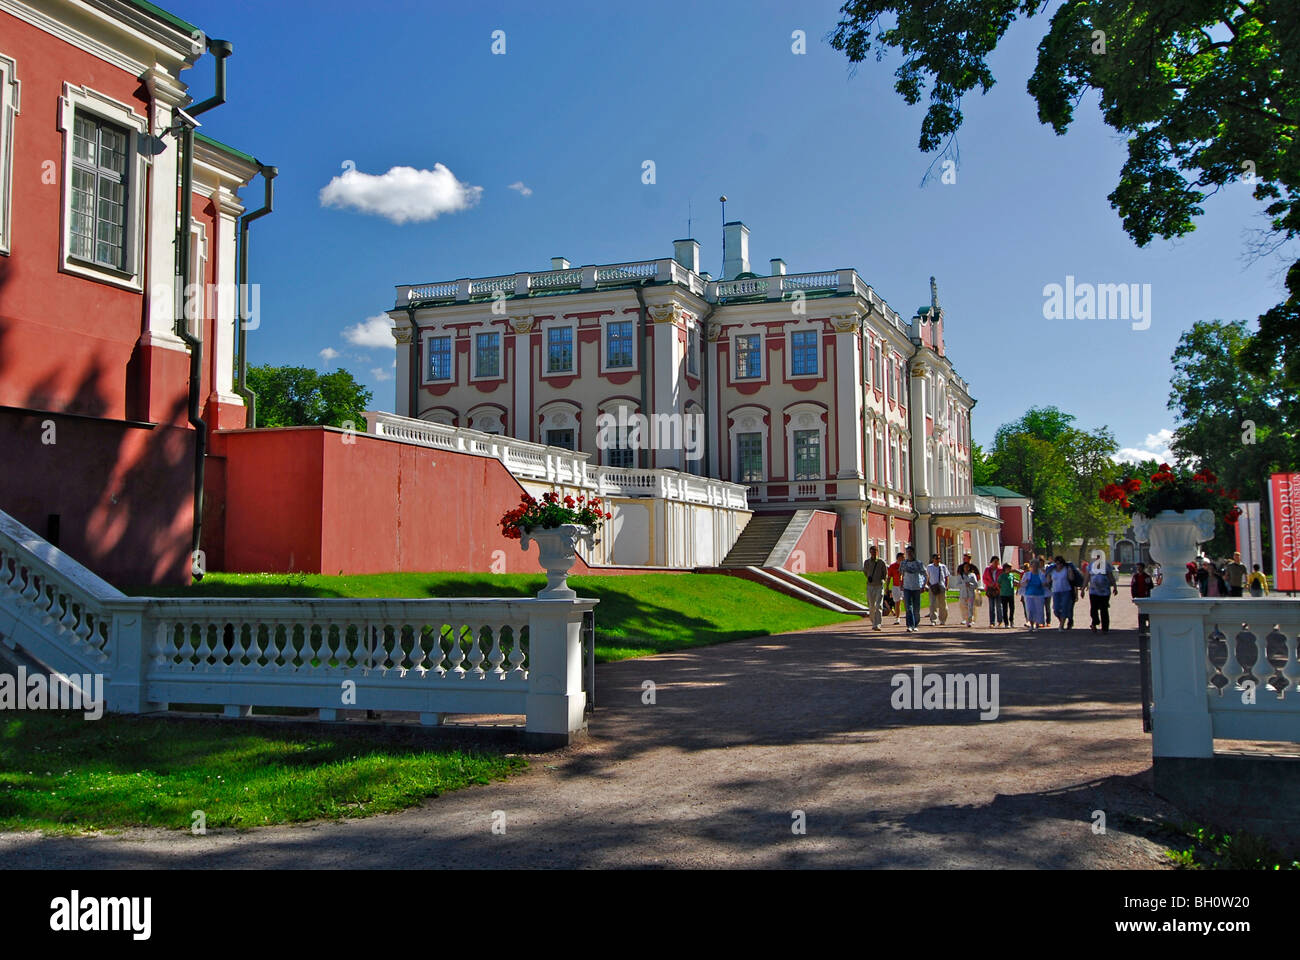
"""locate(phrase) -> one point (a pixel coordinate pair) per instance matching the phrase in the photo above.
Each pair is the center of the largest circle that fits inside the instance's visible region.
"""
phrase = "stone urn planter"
(1175, 537)
(557, 553)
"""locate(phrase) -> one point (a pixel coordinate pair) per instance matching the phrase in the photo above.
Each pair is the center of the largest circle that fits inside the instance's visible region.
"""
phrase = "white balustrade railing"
(661, 271)
(535, 461)
(427, 656)
(1223, 669)
(960, 505)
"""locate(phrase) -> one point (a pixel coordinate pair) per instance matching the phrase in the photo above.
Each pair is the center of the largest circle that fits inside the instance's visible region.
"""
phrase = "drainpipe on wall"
(704, 381)
(413, 367)
(241, 297)
(639, 290)
(221, 49)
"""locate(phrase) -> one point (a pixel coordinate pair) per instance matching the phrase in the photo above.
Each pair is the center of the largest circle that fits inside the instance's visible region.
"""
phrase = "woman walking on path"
(913, 571)
(968, 585)
(991, 591)
(1033, 589)
(1257, 584)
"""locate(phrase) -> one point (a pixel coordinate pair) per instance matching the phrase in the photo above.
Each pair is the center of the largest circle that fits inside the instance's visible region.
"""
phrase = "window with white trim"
(693, 350)
(487, 354)
(103, 187)
(8, 111)
(889, 381)
(877, 375)
(439, 365)
(749, 457)
(618, 345)
(807, 455)
(559, 350)
(100, 185)
(803, 353)
(749, 356)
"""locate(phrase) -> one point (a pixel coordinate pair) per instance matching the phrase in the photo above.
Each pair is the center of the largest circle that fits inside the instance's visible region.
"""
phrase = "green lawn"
(60, 772)
(639, 614)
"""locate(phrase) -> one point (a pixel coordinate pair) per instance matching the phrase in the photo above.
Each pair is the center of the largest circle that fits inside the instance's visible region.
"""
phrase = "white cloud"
(1155, 447)
(376, 331)
(381, 374)
(523, 190)
(328, 354)
(403, 194)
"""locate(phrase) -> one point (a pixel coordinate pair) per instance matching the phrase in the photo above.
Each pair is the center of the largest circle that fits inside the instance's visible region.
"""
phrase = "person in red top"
(1142, 582)
(990, 578)
(896, 586)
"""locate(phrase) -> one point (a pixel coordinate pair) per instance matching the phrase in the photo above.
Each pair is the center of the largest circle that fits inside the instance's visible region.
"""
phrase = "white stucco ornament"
(1175, 538)
(557, 553)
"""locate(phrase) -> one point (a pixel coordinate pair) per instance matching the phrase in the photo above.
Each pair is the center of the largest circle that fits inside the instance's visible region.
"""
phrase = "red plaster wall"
(1012, 526)
(300, 499)
(123, 492)
(813, 543)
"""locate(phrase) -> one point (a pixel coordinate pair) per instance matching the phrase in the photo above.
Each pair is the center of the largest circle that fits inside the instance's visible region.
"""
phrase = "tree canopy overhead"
(1206, 91)
(301, 396)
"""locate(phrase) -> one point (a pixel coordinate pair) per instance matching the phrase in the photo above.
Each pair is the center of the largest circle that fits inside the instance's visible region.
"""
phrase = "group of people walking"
(1044, 589)
(1226, 578)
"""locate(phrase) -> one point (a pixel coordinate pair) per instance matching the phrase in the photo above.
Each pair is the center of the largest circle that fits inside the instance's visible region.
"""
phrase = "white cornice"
(105, 34)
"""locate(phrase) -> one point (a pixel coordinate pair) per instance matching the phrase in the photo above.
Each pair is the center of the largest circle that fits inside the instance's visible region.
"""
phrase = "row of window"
(620, 353)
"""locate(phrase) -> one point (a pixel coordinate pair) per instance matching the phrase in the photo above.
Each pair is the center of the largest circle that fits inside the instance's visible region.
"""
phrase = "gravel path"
(744, 734)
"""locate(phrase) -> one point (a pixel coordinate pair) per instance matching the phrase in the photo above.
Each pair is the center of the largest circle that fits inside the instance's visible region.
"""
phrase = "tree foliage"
(301, 396)
(1231, 420)
(1062, 468)
(1207, 93)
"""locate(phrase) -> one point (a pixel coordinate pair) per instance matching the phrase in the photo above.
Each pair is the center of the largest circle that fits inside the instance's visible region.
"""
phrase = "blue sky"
(820, 164)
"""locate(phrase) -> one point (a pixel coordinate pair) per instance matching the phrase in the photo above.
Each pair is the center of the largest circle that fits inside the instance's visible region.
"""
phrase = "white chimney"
(687, 253)
(778, 268)
(559, 263)
(735, 243)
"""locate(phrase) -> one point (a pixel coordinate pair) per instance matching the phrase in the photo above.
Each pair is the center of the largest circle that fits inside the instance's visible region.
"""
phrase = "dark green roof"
(164, 16)
(225, 148)
(995, 491)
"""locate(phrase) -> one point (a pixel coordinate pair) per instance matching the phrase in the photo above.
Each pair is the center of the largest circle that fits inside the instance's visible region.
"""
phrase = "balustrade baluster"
(1216, 636)
(457, 652)
(476, 654)
(495, 655)
(1291, 670)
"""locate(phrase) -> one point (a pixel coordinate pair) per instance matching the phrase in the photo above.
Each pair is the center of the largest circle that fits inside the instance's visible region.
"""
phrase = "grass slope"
(61, 773)
(639, 614)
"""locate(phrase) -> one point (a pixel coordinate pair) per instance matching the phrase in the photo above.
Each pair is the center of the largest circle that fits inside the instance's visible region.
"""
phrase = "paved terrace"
(743, 734)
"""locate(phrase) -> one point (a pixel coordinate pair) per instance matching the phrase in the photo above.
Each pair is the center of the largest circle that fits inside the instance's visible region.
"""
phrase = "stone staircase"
(767, 540)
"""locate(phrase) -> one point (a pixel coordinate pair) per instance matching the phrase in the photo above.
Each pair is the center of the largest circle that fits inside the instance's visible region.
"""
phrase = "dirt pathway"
(741, 736)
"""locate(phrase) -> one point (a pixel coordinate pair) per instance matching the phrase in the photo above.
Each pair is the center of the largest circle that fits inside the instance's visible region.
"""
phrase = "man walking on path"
(936, 578)
(896, 586)
(876, 573)
(913, 571)
(1101, 587)
(1235, 573)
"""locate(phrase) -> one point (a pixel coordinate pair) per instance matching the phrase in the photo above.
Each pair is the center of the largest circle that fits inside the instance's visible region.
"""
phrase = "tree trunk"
(1083, 552)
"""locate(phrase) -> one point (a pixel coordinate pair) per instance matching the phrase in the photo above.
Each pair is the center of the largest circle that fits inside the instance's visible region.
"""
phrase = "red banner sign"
(1284, 498)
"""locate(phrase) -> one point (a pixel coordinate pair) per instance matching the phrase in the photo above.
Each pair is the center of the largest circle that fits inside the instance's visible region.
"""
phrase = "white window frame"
(693, 349)
(10, 107)
(545, 365)
(817, 356)
(878, 366)
(805, 411)
(604, 345)
(427, 356)
(735, 357)
(136, 125)
(475, 376)
(197, 281)
(734, 432)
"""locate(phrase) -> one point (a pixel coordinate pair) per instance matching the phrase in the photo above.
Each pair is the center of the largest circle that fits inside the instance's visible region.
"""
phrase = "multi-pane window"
(902, 383)
(904, 478)
(879, 474)
(893, 464)
(560, 438)
(890, 381)
(807, 455)
(620, 456)
(487, 355)
(693, 351)
(803, 352)
(618, 344)
(749, 357)
(749, 457)
(559, 350)
(97, 220)
(440, 358)
(877, 374)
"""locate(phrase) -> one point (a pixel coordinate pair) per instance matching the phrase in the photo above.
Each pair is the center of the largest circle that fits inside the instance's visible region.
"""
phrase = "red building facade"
(97, 438)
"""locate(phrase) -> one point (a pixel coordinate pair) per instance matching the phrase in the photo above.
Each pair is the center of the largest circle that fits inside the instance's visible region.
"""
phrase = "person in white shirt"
(936, 579)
